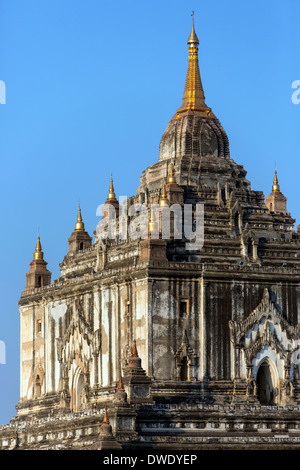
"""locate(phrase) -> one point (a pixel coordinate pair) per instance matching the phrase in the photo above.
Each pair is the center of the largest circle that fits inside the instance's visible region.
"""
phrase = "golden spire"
(193, 96)
(79, 226)
(171, 178)
(275, 187)
(38, 254)
(163, 198)
(111, 193)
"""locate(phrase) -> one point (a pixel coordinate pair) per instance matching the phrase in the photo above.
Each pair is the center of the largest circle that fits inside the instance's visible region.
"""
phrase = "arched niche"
(78, 391)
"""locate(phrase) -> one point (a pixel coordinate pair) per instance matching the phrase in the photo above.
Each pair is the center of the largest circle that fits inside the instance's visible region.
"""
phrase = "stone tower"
(79, 239)
(276, 201)
(38, 275)
(201, 276)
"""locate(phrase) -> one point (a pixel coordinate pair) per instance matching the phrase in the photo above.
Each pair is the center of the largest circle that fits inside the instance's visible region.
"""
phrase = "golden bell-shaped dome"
(111, 193)
(171, 178)
(38, 254)
(163, 198)
(79, 226)
(275, 187)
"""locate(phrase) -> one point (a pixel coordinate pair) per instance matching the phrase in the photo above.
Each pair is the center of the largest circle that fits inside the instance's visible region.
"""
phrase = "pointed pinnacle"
(134, 352)
(111, 193)
(79, 226)
(120, 386)
(105, 419)
(38, 254)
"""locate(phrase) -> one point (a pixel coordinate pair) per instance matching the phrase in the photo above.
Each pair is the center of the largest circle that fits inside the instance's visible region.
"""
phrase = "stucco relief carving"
(75, 350)
(265, 337)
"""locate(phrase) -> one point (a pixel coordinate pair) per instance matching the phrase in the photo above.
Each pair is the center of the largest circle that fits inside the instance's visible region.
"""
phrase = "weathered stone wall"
(32, 381)
(236, 300)
(176, 334)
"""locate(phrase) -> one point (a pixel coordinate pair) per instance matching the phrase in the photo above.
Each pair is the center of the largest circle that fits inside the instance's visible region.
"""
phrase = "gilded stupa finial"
(171, 178)
(193, 39)
(193, 100)
(111, 193)
(163, 197)
(275, 187)
(38, 254)
(79, 226)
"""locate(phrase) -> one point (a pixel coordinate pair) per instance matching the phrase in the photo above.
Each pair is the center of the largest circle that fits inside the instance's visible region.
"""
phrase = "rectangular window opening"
(184, 308)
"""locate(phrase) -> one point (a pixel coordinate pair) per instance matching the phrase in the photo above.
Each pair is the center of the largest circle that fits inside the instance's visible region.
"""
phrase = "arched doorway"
(266, 391)
(184, 369)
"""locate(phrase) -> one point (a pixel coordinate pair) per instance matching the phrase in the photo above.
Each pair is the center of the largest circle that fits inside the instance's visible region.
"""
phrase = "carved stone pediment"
(265, 331)
(259, 324)
(267, 337)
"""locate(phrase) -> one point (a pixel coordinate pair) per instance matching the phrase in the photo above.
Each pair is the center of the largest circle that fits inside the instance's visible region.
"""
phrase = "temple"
(177, 325)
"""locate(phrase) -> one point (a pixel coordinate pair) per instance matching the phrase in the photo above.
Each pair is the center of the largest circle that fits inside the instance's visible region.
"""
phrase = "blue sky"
(90, 88)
